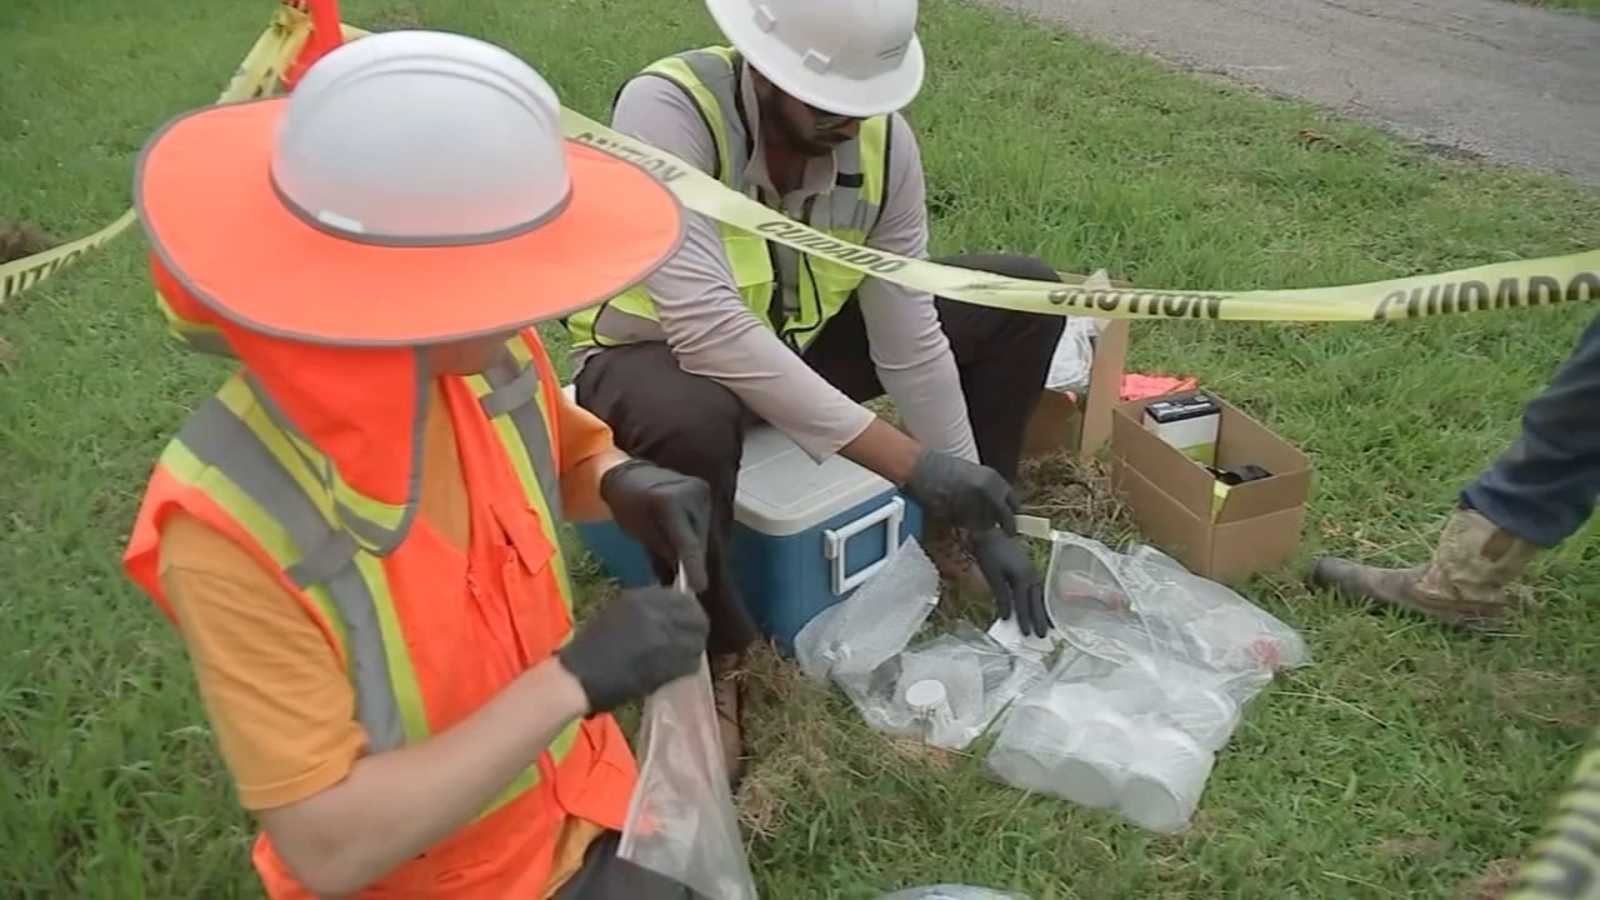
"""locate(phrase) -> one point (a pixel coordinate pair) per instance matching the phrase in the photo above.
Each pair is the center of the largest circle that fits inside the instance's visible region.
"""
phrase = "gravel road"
(1510, 83)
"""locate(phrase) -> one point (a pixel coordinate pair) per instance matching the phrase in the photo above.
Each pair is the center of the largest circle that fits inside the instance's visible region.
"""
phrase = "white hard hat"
(351, 157)
(849, 57)
(415, 188)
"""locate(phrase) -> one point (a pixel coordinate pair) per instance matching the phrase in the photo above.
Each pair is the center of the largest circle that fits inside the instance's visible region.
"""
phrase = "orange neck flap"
(361, 408)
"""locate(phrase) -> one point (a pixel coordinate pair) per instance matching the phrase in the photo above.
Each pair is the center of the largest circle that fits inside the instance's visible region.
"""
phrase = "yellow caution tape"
(1514, 285)
(257, 75)
(19, 275)
(1565, 862)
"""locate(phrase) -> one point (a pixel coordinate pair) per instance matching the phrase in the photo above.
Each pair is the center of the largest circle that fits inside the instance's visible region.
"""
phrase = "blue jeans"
(1545, 486)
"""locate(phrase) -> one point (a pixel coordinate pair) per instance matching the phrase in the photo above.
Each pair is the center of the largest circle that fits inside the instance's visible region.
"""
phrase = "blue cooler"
(805, 536)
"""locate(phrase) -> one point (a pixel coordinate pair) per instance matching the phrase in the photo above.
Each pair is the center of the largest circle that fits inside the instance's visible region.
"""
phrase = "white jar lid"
(925, 695)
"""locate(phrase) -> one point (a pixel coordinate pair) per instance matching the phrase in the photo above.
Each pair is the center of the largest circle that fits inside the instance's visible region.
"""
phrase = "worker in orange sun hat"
(358, 535)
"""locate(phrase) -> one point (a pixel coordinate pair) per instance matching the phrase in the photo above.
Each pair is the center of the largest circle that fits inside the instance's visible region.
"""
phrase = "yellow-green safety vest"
(848, 212)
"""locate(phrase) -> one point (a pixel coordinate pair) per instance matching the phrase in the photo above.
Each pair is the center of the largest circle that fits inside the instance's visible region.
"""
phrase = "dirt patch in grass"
(1409, 847)
(19, 239)
(396, 17)
(788, 729)
(1074, 496)
(1495, 882)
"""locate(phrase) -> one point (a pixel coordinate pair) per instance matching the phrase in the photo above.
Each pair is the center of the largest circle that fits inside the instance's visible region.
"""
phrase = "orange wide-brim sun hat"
(206, 199)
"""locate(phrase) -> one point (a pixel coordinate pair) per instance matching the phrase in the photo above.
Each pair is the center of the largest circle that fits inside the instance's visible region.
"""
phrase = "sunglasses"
(822, 120)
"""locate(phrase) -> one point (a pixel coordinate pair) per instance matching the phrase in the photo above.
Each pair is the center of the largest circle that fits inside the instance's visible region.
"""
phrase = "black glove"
(669, 513)
(962, 494)
(1012, 579)
(638, 642)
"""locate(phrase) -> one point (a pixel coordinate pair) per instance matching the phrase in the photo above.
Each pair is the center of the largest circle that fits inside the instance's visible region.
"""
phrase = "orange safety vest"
(380, 588)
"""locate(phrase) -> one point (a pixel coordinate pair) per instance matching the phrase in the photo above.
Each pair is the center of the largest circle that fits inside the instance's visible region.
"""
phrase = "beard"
(801, 139)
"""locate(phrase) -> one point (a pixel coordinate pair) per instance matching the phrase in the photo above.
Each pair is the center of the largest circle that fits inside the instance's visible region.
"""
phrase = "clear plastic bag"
(852, 638)
(1073, 358)
(946, 691)
(952, 892)
(1143, 606)
(681, 822)
(1158, 667)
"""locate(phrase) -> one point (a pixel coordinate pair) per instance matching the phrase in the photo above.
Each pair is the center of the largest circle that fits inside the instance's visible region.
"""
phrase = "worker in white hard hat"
(358, 535)
(801, 112)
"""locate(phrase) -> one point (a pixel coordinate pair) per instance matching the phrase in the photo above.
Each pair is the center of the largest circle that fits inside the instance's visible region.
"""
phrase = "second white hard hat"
(849, 57)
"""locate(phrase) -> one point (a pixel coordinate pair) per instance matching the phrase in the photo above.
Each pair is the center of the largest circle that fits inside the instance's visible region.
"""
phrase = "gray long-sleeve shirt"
(712, 333)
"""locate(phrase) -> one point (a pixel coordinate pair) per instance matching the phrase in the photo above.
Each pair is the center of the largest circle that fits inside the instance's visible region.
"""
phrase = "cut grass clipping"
(1405, 763)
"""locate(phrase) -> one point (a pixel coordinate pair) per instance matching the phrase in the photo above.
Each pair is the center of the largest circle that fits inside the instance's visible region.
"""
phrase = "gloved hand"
(668, 512)
(963, 494)
(1012, 579)
(638, 642)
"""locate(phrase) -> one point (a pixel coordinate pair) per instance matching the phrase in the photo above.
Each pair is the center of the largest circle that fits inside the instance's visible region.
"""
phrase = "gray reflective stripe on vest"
(842, 207)
(612, 325)
(208, 342)
(514, 392)
(373, 536)
(722, 80)
(221, 440)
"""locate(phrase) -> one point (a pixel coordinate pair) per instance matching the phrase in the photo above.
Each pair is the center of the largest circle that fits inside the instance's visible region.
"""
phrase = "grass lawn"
(1591, 7)
(1405, 763)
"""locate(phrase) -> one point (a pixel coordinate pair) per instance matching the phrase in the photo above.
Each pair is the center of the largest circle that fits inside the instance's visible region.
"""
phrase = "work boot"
(1464, 585)
(727, 693)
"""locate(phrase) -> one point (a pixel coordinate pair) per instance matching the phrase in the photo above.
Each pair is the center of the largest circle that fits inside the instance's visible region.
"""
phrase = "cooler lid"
(782, 491)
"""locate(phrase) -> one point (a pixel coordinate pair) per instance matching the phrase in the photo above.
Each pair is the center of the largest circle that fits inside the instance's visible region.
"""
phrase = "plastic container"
(1164, 780)
(1068, 742)
(805, 535)
(944, 694)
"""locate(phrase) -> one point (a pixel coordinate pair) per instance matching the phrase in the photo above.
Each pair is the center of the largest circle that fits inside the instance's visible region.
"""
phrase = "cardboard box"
(1256, 527)
(1081, 426)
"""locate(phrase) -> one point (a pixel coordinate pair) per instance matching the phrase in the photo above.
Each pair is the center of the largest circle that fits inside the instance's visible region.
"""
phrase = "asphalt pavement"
(1507, 82)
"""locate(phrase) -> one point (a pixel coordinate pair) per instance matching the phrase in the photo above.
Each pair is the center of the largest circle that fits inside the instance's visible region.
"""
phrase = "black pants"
(604, 877)
(696, 426)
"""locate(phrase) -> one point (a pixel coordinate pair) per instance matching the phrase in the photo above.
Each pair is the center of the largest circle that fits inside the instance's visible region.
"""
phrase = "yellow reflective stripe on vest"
(233, 438)
(181, 463)
(530, 777)
(681, 70)
(513, 398)
(377, 526)
(193, 335)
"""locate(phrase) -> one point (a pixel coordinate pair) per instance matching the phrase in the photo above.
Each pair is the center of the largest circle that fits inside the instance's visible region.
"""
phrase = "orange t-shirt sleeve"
(584, 436)
(280, 703)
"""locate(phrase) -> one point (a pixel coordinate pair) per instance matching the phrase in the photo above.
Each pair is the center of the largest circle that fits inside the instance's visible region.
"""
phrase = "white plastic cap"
(926, 695)
(422, 137)
(850, 57)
